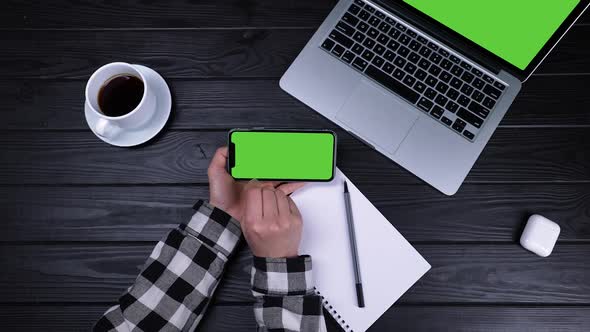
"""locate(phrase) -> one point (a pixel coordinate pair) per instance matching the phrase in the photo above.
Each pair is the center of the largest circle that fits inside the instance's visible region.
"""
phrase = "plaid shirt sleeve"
(175, 285)
(285, 297)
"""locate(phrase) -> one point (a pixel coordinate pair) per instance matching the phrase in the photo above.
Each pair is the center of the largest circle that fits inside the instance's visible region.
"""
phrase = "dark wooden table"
(79, 217)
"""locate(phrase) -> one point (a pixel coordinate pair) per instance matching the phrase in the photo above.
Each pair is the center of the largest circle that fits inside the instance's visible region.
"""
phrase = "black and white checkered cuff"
(214, 227)
(282, 276)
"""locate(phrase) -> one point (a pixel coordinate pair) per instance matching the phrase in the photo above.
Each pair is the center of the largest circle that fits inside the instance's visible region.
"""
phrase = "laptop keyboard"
(438, 81)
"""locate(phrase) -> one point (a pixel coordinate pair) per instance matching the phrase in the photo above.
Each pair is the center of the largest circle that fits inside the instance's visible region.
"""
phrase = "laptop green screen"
(514, 30)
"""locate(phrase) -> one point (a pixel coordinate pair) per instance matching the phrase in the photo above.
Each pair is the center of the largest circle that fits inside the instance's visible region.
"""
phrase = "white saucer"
(146, 132)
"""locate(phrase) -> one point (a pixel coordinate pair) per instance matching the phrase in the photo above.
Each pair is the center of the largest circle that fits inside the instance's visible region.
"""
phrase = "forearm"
(285, 298)
(177, 281)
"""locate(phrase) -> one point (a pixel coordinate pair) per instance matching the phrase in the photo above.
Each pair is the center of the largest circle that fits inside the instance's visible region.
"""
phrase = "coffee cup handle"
(106, 128)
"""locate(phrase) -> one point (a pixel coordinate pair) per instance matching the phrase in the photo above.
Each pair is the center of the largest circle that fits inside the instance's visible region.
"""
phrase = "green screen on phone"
(514, 30)
(271, 155)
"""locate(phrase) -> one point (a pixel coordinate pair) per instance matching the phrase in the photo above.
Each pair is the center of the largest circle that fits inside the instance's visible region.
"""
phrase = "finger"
(270, 184)
(269, 203)
(293, 207)
(282, 203)
(253, 203)
(289, 188)
(219, 160)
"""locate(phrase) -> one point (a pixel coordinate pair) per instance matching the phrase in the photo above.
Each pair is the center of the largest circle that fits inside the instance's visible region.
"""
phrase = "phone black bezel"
(231, 149)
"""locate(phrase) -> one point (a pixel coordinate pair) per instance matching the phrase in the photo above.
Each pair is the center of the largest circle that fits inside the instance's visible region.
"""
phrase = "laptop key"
(390, 20)
(467, 77)
(441, 100)
(446, 121)
(389, 55)
(463, 100)
(350, 19)
(392, 84)
(452, 107)
(459, 125)
(368, 55)
(359, 64)
(388, 68)
(433, 46)
(369, 43)
(345, 28)
(466, 66)
(328, 44)
(394, 33)
(478, 83)
(384, 27)
(412, 33)
(369, 9)
(378, 61)
(358, 49)
(373, 33)
(430, 94)
(457, 71)
(380, 15)
(359, 3)
(383, 39)
(477, 72)
(413, 57)
(422, 40)
(455, 59)
(468, 134)
(492, 92)
(478, 96)
(419, 86)
(467, 89)
(469, 117)
(421, 74)
(338, 50)
(414, 45)
(446, 64)
(489, 102)
(354, 9)
(358, 37)
(436, 58)
(404, 39)
(499, 86)
(441, 87)
(456, 83)
(478, 109)
(409, 80)
(374, 21)
(364, 15)
(403, 51)
(341, 39)
(424, 64)
(363, 27)
(379, 49)
(410, 68)
(425, 51)
(425, 104)
(399, 61)
(434, 70)
(443, 52)
(431, 81)
(453, 94)
(445, 76)
(393, 45)
(399, 74)
(348, 56)
(488, 79)
(401, 27)
(437, 111)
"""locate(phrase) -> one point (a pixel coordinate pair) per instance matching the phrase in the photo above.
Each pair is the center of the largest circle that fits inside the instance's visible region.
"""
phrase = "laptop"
(426, 82)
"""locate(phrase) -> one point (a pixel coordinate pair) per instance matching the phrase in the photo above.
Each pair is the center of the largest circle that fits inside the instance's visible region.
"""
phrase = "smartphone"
(282, 155)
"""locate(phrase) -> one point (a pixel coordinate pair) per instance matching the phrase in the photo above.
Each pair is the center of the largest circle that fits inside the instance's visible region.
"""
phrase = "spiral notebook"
(389, 264)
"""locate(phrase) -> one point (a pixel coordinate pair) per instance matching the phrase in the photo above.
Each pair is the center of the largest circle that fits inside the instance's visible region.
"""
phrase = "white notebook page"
(389, 264)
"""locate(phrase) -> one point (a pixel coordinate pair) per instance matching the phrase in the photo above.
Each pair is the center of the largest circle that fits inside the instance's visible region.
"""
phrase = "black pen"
(353, 248)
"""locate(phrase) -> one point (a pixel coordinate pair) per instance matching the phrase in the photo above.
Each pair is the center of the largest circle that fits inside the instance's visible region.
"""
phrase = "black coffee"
(120, 95)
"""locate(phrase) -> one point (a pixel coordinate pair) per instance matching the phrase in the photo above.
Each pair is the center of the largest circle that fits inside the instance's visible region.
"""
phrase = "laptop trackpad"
(377, 116)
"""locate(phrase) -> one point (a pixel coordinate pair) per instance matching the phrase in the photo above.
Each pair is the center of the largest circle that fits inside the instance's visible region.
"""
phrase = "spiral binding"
(333, 311)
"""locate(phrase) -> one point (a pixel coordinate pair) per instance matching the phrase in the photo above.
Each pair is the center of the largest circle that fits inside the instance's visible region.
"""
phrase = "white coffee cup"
(108, 126)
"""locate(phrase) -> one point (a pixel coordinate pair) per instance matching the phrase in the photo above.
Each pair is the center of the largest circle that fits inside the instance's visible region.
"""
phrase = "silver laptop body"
(440, 153)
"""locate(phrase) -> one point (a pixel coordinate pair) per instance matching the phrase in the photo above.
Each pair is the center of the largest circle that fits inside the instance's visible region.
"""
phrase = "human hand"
(272, 223)
(228, 194)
